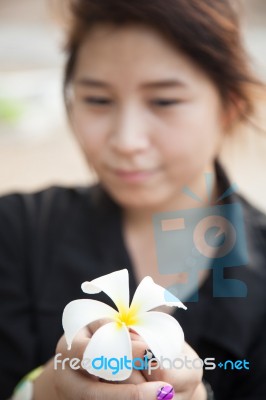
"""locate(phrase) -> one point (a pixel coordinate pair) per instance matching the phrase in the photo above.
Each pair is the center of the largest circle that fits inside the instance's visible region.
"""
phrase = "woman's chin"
(138, 198)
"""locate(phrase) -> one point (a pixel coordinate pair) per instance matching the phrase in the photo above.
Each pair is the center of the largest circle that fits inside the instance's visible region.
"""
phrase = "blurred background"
(37, 148)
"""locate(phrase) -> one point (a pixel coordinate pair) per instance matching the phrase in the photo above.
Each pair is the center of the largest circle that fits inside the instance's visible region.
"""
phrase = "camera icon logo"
(214, 233)
(193, 240)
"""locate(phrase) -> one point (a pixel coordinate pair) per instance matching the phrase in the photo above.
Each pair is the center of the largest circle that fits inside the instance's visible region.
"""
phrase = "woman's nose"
(130, 132)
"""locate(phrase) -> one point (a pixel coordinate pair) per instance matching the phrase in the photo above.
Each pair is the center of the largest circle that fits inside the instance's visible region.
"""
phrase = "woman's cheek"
(91, 132)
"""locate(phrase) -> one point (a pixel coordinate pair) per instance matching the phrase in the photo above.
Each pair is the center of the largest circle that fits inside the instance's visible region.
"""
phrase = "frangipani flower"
(160, 331)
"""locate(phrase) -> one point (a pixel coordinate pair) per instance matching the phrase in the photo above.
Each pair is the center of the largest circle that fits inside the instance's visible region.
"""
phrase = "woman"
(151, 90)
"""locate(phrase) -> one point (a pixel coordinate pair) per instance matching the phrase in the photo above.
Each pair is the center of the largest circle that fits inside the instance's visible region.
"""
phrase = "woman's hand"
(186, 381)
(65, 383)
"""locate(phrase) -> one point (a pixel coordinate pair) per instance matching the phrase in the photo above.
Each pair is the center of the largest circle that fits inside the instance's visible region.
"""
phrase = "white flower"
(160, 331)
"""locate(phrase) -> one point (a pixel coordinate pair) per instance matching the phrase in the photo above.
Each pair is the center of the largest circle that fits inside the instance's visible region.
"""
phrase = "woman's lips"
(137, 176)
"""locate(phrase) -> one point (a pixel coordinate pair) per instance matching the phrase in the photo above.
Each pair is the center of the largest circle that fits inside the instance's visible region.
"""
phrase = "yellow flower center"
(127, 316)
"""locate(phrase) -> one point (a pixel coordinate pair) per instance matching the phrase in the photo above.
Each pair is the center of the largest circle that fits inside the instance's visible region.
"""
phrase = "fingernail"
(150, 357)
(165, 393)
(148, 354)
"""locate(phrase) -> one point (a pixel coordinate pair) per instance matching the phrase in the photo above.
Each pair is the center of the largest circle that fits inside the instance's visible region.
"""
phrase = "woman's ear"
(234, 112)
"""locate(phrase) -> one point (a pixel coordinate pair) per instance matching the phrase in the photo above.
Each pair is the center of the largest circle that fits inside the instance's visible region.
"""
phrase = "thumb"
(147, 390)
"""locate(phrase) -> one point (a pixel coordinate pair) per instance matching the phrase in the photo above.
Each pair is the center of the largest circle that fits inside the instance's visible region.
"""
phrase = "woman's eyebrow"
(97, 83)
(167, 83)
(90, 82)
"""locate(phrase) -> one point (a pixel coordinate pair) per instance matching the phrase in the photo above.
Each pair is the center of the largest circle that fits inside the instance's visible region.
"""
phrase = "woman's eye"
(99, 101)
(165, 102)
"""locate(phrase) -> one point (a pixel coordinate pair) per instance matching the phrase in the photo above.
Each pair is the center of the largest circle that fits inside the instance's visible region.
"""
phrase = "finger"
(146, 390)
(138, 364)
(184, 375)
(73, 358)
(94, 326)
(64, 356)
(75, 386)
(136, 378)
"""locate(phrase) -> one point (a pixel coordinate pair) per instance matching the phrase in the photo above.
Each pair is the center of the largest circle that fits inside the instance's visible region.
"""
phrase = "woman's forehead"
(137, 50)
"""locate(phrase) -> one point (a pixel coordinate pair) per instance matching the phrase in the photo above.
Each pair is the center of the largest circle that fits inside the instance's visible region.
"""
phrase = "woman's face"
(149, 120)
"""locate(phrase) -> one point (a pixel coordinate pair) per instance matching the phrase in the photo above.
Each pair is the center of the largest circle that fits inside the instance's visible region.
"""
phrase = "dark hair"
(205, 30)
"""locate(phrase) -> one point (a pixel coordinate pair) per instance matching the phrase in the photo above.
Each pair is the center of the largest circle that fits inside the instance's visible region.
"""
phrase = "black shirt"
(53, 240)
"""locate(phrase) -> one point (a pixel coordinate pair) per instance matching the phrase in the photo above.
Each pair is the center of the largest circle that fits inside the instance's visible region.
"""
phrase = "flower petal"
(107, 347)
(115, 285)
(162, 333)
(79, 313)
(149, 295)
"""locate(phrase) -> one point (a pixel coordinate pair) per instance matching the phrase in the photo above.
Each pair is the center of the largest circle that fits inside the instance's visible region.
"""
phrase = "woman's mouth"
(134, 176)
